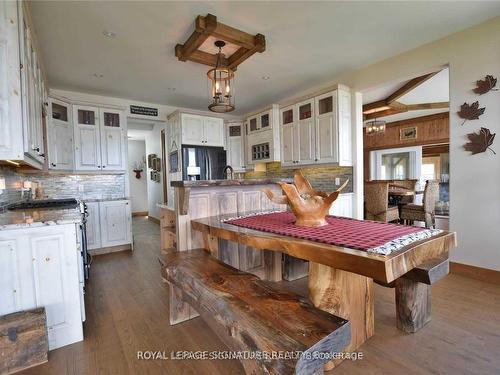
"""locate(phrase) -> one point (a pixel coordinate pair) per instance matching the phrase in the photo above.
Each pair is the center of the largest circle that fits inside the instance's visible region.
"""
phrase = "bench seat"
(247, 314)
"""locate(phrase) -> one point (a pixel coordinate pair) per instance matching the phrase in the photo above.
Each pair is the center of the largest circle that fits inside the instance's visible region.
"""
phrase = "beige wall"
(475, 180)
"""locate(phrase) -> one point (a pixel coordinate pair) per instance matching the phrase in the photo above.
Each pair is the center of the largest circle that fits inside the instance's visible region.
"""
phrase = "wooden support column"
(413, 304)
(347, 295)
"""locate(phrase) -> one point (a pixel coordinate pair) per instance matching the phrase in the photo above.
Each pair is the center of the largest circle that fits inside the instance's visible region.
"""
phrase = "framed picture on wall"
(150, 160)
(173, 162)
(408, 133)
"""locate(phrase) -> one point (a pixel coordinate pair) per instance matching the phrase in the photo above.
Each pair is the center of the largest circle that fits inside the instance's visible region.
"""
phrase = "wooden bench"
(413, 293)
(248, 315)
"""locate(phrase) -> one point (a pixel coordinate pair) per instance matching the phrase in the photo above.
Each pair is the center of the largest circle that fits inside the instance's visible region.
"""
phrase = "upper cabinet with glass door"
(112, 139)
(318, 130)
(60, 135)
(99, 139)
(21, 90)
(259, 122)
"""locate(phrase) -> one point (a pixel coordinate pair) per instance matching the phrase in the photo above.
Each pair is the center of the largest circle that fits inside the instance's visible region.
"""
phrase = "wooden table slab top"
(379, 267)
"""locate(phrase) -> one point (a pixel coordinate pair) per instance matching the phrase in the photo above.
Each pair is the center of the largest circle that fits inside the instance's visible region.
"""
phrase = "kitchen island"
(198, 199)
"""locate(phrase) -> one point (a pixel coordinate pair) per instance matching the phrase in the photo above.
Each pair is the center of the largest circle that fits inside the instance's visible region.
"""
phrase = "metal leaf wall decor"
(485, 85)
(470, 111)
(480, 142)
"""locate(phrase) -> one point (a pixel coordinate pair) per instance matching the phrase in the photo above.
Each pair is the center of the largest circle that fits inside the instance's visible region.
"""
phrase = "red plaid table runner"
(371, 236)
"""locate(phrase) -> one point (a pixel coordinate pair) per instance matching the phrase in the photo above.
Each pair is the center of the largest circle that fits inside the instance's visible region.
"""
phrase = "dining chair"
(410, 184)
(423, 212)
(377, 202)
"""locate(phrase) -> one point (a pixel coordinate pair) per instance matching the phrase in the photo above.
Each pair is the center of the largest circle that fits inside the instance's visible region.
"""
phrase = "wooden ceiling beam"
(387, 112)
(373, 107)
(420, 106)
(409, 86)
(204, 27)
(242, 54)
(205, 58)
(208, 26)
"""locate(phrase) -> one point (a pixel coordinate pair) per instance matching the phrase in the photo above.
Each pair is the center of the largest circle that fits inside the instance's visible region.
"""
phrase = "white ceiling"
(307, 43)
(138, 130)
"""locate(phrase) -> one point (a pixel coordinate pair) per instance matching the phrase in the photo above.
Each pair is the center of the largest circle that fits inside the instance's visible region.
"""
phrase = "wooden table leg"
(180, 311)
(413, 304)
(347, 295)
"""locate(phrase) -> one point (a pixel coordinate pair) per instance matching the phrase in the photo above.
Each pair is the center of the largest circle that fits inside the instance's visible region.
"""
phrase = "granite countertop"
(104, 199)
(39, 217)
(242, 182)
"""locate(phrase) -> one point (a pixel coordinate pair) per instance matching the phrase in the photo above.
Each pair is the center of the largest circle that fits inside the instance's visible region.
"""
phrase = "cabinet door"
(288, 130)
(60, 135)
(235, 152)
(305, 133)
(343, 205)
(9, 277)
(326, 128)
(11, 133)
(253, 124)
(87, 139)
(112, 139)
(265, 120)
(213, 131)
(344, 128)
(55, 270)
(93, 226)
(192, 130)
(115, 223)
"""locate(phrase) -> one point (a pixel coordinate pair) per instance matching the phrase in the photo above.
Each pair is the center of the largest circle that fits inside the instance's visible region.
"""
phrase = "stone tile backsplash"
(80, 186)
(321, 178)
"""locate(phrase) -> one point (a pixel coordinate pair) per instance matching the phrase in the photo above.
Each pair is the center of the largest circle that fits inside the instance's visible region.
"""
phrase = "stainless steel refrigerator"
(203, 163)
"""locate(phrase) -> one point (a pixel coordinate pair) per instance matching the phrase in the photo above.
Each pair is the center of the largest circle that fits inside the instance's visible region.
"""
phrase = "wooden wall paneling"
(226, 203)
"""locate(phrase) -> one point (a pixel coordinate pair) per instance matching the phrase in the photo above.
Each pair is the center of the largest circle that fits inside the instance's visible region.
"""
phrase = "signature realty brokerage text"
(149, 355)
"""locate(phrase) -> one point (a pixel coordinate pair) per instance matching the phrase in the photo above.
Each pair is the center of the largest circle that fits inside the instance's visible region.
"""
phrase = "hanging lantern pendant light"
(222, 84)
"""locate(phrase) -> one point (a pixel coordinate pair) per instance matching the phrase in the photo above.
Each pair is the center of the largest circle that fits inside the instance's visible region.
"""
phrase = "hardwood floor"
(127, 311)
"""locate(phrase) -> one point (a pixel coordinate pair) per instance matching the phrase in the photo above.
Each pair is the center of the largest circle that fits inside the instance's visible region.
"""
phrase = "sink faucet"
(230, 175)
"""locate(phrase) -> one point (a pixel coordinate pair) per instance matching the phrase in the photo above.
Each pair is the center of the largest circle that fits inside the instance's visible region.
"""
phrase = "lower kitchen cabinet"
(109, 224)
(39, 268)
(115, 223)
(343, 205)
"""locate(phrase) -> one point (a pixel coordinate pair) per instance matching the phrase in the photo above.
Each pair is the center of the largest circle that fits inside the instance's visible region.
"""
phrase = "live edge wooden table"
(341, 279)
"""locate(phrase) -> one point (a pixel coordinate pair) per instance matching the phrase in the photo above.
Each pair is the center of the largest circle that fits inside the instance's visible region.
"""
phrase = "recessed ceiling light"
(265, 78)
(98, 75)
(109, 34)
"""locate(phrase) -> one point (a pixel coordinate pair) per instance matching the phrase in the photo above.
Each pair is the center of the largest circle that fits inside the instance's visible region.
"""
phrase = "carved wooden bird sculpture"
(309, 205)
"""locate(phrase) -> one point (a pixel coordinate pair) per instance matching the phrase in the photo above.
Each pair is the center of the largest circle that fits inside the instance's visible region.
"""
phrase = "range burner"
(45, 203)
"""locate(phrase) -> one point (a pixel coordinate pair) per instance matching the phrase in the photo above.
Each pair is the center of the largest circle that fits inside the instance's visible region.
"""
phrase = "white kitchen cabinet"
(60, 135)
(99, 138)
(87, 138)
(344, 127)
(306, 136)
(202, 130)
(40, 269)
(93, 226)
(21, 90)
(343, 205)
(262, 138)
(115, 224)
(112, 139)
(235, 146)
(214, 131)
(318, 131)
(288, 138)
(326, 128)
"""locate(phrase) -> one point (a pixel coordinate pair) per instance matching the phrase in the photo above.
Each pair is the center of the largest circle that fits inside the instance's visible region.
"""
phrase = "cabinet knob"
(104, 166)
(47, 259)
(53, 164)
(315, 159)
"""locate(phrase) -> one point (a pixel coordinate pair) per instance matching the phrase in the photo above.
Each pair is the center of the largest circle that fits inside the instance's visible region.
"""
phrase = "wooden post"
(413, 304)
(180, 311)
(347, 295)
